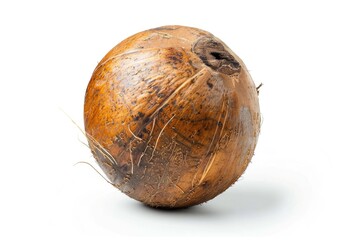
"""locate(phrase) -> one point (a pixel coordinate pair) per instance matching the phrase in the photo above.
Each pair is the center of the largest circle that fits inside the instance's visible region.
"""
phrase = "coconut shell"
(172, 116)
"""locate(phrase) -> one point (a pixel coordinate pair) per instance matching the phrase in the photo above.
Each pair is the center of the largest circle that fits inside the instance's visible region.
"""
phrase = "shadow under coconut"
(195, 210)
(241, 200)
(246, 200)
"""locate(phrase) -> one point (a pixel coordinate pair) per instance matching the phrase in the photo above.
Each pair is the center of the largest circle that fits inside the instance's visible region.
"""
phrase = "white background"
(303, 182)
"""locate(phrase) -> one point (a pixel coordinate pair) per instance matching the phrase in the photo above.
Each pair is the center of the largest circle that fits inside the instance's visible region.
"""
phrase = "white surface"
(303, 180)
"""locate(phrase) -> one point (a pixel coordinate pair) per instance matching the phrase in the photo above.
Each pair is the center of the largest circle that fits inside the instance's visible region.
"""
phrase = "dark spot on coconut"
(146, 120)
(145, 130)
(156, 88)
(138, 116)
(205, 184)
(174, 56)
(215, 56)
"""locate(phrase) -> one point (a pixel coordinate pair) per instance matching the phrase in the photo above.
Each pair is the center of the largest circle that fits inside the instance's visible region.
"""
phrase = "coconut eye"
(214, 55)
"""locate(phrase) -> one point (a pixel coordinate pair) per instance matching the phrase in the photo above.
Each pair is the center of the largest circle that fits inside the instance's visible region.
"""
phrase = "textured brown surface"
(172, 116)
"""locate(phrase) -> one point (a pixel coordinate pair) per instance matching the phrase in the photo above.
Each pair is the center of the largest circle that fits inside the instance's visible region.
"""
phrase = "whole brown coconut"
(172, 116)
